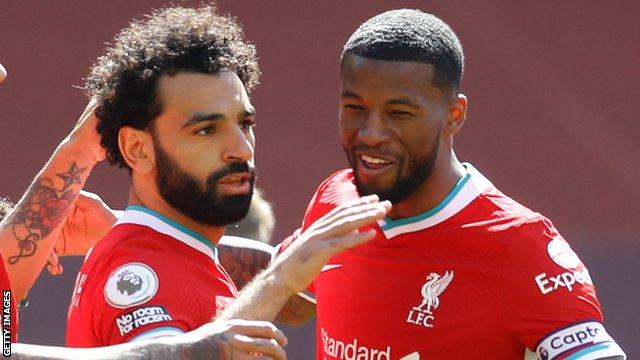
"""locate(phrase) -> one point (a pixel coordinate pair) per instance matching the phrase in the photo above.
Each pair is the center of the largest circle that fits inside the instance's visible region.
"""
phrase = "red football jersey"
(149, 277)
(9, 307)
(477, 277)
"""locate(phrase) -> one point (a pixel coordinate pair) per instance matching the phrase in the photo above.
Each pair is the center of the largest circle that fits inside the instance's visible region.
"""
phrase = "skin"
(229, 340)
(78, 221)
(28, 235)
(90, 218)
(294, 269)
(229, 138)
(393, 110)
(395, 115)
(259, 222)
(3, 73)
(206, 124)
(371, 115)
(242, 264)
(88, 221)
(222, 135)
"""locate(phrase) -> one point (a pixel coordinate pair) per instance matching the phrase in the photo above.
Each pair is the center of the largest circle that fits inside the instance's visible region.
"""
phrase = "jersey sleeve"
(10, 307)
(549, 297)
(140, 292)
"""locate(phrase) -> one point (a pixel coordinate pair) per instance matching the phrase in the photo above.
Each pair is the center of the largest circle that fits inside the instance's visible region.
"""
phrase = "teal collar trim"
(176, 225)
(390, 223)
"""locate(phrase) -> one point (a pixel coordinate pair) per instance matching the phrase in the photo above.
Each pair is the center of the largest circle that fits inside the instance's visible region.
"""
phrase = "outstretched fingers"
(349, 218)
(259, 329)
(247, 347)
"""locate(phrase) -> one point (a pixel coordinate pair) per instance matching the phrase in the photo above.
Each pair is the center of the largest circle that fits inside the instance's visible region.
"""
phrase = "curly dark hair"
(167, 41)
(411, 35)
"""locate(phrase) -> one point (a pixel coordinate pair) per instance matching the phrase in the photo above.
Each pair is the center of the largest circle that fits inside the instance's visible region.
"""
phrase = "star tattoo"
(72, 176)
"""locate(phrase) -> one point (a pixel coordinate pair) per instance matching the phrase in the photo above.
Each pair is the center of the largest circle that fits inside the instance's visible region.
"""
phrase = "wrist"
(78, 151)
(279, 276)
(199, 343)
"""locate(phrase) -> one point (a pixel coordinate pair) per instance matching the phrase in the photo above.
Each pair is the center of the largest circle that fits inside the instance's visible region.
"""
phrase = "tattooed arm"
(220, 340)
(243, 258)
(295, 267)
(28, 234)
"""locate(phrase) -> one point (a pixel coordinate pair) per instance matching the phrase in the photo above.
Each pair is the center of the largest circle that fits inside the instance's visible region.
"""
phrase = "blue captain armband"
(584, 341)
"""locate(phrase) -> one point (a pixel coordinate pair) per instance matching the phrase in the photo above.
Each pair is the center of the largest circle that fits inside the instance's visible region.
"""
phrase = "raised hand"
(88, 221)
(331, 234)
(298, 265)
(85, 134)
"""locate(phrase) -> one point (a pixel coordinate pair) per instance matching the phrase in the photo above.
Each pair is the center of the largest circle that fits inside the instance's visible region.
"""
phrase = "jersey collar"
(472, 184)
(140, 215)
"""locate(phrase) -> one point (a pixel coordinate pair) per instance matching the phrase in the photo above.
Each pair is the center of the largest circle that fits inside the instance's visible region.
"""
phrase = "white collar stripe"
(465, 192)
(246, 243)
(145, 217)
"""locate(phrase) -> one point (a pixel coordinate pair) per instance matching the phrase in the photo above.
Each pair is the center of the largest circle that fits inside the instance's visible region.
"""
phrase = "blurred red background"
(554, 90)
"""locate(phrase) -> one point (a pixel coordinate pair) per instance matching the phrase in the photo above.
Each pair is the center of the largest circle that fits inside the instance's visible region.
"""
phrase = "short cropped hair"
(410, 35)
(124, 79)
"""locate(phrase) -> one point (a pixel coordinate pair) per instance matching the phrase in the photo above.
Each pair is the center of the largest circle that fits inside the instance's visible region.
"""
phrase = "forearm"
(29, 233)
(126, 351)
(296, 267)
(297, 311)
(163, 348)
(261, 299)
(242, 262)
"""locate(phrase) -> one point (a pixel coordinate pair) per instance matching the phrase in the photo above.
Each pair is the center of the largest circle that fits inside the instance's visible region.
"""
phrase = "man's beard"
(404, 186)
(200, 202)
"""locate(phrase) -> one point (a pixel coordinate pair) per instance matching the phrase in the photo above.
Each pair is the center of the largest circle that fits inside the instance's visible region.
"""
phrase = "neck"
(446, 172)
(152, 200)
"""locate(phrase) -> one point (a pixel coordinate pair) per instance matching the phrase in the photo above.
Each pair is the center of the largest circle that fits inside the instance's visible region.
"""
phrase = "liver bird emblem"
(432, 289)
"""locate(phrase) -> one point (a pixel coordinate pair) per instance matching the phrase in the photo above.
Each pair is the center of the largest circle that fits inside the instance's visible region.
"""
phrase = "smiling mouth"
(372, 162)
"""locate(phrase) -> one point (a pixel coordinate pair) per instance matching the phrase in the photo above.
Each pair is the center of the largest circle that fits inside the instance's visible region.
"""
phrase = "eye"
(207, 130)
(353, 107)
(400, 113)
(247, 124)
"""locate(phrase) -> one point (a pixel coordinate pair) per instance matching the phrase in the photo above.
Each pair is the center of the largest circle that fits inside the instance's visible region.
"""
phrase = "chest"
(431, 299)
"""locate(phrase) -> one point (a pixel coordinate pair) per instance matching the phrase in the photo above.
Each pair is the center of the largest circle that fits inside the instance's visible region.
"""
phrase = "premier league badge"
(131, 284)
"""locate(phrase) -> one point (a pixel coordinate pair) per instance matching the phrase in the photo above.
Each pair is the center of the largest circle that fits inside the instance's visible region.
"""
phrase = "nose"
(239, 147)
(373, 130)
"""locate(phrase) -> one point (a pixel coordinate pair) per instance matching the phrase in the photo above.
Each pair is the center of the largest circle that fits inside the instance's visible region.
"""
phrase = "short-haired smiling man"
(457, 270)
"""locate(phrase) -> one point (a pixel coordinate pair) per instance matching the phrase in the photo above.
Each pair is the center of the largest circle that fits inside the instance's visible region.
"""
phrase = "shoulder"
(128, 242)
(340, 179)
(336, 189)
(131, 254)
(503, 219)
(130, 237)
(135, 274)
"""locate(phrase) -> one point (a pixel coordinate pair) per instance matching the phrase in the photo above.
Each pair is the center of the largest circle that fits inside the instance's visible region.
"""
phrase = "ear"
(136, 147)
(457, 114)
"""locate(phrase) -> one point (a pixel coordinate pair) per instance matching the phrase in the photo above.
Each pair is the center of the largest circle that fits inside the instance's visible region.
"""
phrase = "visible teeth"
(373, 160)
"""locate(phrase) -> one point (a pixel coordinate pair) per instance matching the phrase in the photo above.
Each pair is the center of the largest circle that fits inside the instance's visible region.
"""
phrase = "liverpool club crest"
(434, 286)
